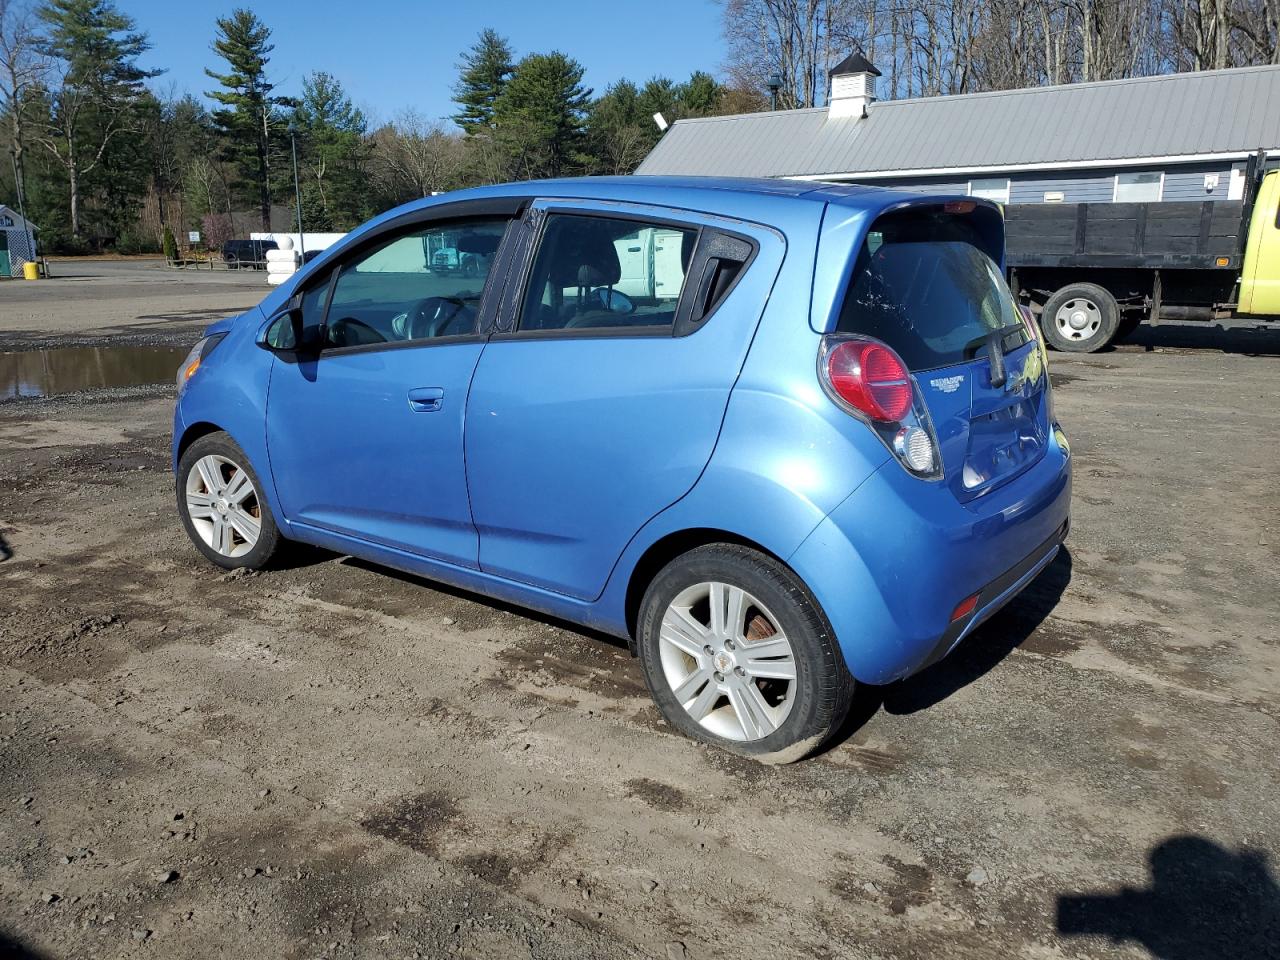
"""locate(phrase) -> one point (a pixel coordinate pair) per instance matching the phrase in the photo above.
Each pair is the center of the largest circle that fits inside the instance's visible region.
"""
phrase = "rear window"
(924, 285)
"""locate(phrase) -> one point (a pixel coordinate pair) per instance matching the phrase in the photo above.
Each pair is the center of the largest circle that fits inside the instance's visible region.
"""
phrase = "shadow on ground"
(1204, 902)
(484, 601)
(1248, 341)
(12, 949)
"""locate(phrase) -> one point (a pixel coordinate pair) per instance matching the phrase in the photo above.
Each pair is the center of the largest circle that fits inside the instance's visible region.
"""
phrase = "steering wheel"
(350, 332)
(440, 317)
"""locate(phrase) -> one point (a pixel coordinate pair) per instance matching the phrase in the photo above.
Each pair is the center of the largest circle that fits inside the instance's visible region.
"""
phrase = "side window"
(604, 273)
(418, 285)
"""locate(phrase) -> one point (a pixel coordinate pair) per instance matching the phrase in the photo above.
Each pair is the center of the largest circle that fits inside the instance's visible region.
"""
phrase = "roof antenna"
(661, 121)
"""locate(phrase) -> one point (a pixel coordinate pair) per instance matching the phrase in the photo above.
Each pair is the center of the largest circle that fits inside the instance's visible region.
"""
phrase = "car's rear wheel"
(736, 653)
(222, 507)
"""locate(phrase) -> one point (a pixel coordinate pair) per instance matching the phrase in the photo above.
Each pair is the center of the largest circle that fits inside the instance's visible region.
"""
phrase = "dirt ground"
(333, 760)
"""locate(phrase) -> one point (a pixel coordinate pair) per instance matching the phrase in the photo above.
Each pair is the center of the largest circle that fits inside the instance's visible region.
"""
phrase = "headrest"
(583, 254)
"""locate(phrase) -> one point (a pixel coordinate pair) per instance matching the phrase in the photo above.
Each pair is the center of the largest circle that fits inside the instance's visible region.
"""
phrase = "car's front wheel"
(736, 652)
(221, 504)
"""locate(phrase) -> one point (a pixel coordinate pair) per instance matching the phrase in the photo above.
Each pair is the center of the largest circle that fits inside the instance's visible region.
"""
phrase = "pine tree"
(485, 70)
(249, 116)
(331, 152)
(618, 130)
(700, 95)
(96, 48)
(540, 117)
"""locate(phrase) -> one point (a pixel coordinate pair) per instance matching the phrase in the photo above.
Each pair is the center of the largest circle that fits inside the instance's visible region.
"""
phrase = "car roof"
(720, 194)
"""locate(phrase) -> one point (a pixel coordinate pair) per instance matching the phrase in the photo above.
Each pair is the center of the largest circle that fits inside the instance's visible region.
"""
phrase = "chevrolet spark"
(785, 438)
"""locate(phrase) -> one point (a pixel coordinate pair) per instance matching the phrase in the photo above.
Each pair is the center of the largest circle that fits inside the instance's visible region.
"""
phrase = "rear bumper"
(892, 562)
(996, 594)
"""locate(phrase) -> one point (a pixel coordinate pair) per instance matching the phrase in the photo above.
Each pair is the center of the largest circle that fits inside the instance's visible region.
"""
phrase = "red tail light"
(870, 378)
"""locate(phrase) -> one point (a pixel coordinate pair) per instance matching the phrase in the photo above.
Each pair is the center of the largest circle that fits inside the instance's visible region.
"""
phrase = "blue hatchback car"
(781, 436)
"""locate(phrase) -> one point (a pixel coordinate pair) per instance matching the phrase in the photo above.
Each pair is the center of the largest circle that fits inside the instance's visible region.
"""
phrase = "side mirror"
(614, 301)
(285, 333)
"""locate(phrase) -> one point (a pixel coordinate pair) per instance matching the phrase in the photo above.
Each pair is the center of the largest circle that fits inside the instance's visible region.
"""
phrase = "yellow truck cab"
(1260, 275)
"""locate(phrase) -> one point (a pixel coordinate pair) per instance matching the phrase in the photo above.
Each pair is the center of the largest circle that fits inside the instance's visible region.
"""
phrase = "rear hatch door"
(927, 283)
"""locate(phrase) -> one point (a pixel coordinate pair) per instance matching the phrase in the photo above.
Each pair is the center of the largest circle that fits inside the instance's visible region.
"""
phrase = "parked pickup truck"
(1092, 272)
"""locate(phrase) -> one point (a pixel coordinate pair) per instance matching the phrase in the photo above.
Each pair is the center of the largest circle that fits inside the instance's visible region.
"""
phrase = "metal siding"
(1208, 112)
(1187, 183)
(1092, 188)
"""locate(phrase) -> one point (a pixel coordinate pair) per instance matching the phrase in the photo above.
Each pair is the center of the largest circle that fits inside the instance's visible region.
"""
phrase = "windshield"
(923, 285)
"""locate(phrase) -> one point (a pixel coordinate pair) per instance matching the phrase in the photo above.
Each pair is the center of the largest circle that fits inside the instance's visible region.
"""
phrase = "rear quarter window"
(925, 285)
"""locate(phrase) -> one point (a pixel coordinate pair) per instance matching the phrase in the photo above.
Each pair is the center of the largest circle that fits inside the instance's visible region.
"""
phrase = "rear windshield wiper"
(994, 342)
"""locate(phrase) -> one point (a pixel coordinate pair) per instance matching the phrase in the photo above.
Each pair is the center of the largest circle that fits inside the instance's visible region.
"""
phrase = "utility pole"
(297, 195)
(22, 206)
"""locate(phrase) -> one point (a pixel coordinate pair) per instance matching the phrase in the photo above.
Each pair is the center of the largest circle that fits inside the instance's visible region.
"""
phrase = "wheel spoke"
(735, 613)
(238, 487)
(210, 475)
(247, 526)
(753, 713)
(222, 536)
(686, 689)
(770, 659)
(702, 705)
(681, 630)
(199, 506)
(717, 601)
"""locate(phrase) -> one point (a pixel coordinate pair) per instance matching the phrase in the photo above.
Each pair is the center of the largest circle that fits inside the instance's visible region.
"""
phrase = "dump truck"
(1092, 272)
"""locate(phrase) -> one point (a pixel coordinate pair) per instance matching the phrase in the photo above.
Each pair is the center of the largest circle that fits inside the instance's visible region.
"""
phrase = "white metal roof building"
(1173, 137)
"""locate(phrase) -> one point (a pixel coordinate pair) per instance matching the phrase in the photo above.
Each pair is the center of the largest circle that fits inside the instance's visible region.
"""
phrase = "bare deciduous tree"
(933, 47)
(22, 68)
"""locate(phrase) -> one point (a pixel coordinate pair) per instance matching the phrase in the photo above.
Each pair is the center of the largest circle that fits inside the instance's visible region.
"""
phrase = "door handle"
(426, 399)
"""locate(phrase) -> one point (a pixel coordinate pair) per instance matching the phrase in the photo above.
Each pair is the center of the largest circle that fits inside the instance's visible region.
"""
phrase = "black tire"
(269, 540)
(823, 688)
(1093, 300)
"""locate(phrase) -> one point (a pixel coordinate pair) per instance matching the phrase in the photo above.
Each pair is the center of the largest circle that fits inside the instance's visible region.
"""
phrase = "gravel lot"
(333, 760)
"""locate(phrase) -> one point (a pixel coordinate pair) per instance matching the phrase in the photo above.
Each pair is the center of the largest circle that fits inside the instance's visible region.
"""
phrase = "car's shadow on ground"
(1204, 902)
(976, 656)
(480, 599)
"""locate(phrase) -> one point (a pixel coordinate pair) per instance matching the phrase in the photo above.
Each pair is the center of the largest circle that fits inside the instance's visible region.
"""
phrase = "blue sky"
(397, 54)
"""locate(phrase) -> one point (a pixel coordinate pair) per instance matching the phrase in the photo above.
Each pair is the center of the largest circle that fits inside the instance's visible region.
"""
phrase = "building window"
(996, 189)
(1139, 187)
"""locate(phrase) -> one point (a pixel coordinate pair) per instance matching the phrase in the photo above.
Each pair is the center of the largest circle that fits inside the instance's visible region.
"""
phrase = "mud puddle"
(46, 373)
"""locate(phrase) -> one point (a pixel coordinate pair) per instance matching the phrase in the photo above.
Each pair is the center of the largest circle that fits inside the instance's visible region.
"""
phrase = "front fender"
(229, 392)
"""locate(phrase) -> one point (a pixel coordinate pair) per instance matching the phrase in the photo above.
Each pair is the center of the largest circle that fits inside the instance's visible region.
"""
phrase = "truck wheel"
(1080, 318)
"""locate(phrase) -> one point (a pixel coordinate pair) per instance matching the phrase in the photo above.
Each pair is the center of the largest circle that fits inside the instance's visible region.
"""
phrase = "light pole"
(22, 206)
(774, 85)
(297, 194)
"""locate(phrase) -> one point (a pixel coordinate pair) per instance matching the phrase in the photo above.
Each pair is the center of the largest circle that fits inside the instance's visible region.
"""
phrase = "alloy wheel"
(727, 661)
(223, 505)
